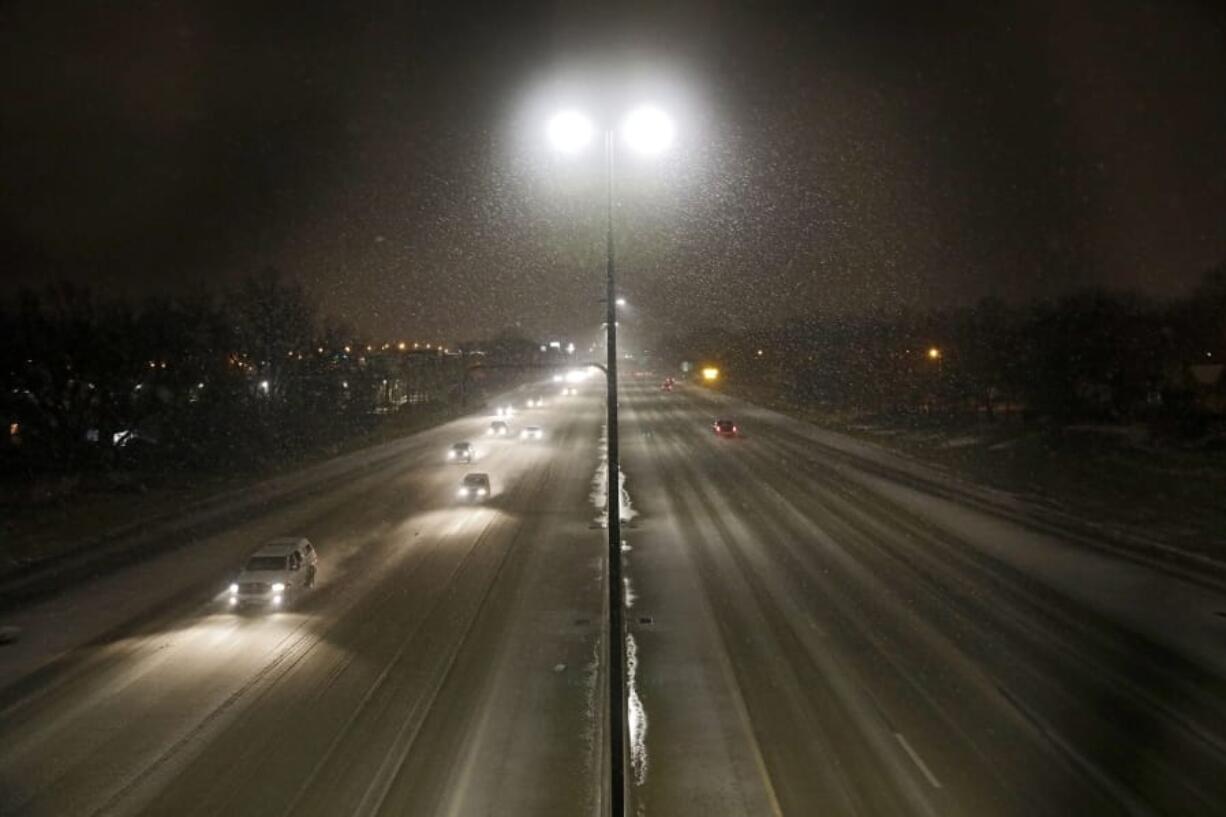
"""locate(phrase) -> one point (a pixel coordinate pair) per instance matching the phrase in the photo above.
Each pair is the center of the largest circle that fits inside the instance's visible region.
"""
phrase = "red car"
(725, 428)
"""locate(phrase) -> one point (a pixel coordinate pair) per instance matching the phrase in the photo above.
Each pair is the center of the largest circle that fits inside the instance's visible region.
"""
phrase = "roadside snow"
(637, 714)
(593, 723)
(600, 486)
(961, 442)
(1187, 618)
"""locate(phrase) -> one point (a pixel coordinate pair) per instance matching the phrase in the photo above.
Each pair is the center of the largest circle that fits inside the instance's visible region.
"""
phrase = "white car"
(461, 452)
(531, 433)
(499, 428)
(474, 488)
(274, 575)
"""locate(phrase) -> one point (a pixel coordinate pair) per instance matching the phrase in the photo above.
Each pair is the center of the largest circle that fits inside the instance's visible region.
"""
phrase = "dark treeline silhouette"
(247, 377)
(1091, 356)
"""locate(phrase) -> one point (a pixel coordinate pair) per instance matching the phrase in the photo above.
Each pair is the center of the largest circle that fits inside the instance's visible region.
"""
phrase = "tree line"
(250, 376)
(1094, 355)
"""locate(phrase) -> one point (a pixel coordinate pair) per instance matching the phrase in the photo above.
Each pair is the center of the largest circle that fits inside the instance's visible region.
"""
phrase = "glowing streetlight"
(710, 374)
(570, 131)
(648, 130)
(621, 302)
(934, 353)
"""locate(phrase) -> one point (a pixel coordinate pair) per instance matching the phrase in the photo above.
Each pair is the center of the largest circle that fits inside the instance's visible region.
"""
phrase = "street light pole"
(649, 130)
(617, 694)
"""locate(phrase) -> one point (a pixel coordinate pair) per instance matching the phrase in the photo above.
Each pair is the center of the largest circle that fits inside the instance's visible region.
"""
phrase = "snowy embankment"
(892, 464)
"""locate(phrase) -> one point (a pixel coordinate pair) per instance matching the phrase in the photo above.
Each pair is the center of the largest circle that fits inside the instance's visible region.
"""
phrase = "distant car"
(461, 452)
(474, 488)
(536, 402)
(505, 411)
(569, 391)
(532, 433)
(499, 428)
(276, 574)
(725, 428)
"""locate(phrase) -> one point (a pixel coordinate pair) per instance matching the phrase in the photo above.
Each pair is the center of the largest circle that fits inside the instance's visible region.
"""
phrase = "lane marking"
(919, 761)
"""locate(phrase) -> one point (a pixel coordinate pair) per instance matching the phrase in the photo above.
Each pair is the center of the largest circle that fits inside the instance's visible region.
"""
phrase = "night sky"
(831, 157)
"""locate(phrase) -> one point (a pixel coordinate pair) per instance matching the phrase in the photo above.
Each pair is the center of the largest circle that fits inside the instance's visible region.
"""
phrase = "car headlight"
(481, 492)
(276, 599)
(278, 587)
(462, 492)
(451, 455)
(233, 589)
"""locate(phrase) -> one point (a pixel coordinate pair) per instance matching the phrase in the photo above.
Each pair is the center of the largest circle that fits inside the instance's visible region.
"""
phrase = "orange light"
(934, 353)
(710, 374)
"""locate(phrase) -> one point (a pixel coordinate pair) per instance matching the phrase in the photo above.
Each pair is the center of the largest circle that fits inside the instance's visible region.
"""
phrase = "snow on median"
(637, 715)
(600, 486)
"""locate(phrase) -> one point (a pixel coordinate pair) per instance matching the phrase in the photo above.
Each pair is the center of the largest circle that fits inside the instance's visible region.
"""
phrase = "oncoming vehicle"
(499, 428)
(474, 488)
(532, 433)
(274, 575)
(505, 411)
(569, 391)
(725, 428)
(536, 402)
(461, 452)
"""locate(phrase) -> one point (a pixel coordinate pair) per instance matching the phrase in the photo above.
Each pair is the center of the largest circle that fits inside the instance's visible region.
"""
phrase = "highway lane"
(809, 637)
(809, 642)
(446, 659)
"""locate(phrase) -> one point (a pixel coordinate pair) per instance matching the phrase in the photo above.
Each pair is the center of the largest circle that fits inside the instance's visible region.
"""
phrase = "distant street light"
(710, 374)
(934, 353)
(646, 130)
